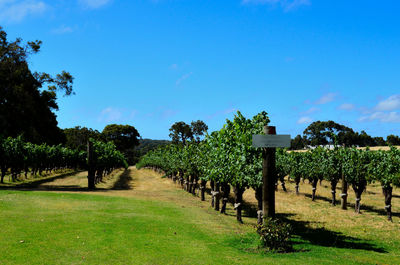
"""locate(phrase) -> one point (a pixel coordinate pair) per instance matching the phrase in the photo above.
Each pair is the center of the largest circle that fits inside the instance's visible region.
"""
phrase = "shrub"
(275, 235)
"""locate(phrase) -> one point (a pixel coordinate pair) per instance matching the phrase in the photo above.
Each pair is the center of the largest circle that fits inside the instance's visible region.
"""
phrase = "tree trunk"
(3, 173)
(212, 184)
(333, 191)
(358, 190)
(91, 169)
(226, 189)
(203, 189)
(238, 202)
(258, 195)
(282, 179)
(297, 180)
(343, 195)
(387, 191)
(190, 187)
(314, 188)
(194, 185)
(217, 196)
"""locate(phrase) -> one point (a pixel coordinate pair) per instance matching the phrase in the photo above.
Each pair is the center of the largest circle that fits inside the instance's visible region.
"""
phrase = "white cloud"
(347, 106)
(287, 5)
(384, 117)
(182, 78)
(326, 98)
(16, 10)
(110, 115)
(391, 103)
(311, 110)
(93, 4)
(304, 120)
(63, 30)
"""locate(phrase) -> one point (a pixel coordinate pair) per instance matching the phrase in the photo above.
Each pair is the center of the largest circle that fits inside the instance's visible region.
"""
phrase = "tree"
(327, 132)
(393, 140)
(365, 140)
(125, 138)
(25, 107)
(198, 129)
(298, 143)
(380, 141)
(77, 137)
(180, 132)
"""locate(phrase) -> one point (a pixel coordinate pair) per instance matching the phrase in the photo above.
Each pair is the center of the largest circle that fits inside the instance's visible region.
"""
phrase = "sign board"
(271, 140)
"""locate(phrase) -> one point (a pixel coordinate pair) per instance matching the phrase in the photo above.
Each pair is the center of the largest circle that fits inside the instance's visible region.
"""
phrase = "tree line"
(321, 133)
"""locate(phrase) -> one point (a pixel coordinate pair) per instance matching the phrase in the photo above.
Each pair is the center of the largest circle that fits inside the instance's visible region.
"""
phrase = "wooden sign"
(271, 140)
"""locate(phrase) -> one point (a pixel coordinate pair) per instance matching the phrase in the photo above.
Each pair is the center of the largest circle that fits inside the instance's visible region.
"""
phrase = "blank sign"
(271, 140)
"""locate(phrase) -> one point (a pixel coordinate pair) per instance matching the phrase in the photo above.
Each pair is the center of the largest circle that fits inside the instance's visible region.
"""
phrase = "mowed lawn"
(139, 218)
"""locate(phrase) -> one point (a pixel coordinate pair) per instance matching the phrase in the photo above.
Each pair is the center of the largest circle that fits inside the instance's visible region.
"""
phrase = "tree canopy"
(125, 138)
(26, 107)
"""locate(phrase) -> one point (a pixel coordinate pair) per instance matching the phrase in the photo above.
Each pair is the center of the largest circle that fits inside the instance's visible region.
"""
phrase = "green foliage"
(77, 137)
(26, 108)
(125, 138)
(275, 235)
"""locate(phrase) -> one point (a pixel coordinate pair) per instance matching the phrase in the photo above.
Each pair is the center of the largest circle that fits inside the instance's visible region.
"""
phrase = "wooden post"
(269, 177)
(91, 172)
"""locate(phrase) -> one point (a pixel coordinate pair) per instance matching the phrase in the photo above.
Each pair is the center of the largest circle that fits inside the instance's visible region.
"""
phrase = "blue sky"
(150, 63)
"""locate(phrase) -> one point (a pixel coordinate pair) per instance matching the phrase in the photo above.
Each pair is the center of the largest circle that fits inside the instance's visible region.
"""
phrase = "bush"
(275, 235)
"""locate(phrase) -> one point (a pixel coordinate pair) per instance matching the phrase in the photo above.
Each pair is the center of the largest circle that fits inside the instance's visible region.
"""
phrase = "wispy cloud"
(167, 113)
(347, 106)
(311, 110)
(326, 98)
(391, 103)
(221, 112)
(16, 10)
(384, 117)
(93, 4)
(110, 114)
(63, 30)
(182, 78)
(287, 5)
(173, 66)
(304, 120)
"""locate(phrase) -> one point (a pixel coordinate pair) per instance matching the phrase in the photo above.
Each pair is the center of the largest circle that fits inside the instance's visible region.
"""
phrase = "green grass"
(65, 228)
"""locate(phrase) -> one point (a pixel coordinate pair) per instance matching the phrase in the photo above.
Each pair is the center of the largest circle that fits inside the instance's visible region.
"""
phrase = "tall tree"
(25, 107)
(180, 132)
(199, 128)
(329, 132)
(393, 140)
(298, 143)
(77, 137)
(125, 138)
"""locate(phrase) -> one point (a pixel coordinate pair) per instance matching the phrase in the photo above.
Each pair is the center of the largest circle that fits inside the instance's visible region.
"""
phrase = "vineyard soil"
(138, 217)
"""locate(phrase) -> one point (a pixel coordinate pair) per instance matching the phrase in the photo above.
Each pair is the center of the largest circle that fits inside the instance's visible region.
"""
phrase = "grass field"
(137, 217)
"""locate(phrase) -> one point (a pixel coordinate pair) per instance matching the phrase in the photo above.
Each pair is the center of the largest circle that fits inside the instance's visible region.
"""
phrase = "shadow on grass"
(366, 208)
(36, 183)
(123, 181)
(319, 236)
(121, 184)
(323, 237)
